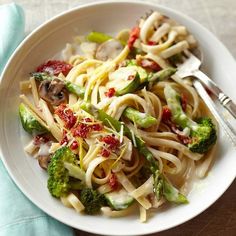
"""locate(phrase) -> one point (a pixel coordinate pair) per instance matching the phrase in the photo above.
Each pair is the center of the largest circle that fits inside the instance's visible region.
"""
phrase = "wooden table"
(219, 17)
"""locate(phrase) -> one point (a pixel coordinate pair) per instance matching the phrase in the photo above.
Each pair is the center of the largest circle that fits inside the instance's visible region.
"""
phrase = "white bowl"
(48, 40)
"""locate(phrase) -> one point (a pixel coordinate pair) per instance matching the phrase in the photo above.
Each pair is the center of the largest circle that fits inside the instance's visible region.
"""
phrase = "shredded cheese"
(133, 138)
(121, 133)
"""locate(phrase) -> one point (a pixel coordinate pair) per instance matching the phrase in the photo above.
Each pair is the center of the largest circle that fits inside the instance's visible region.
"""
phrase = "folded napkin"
(19, 216)
(11, 30)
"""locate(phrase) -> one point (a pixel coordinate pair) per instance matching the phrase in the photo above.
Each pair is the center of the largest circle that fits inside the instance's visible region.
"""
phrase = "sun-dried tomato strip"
(134, 34)
(55, 67)
(66, 115)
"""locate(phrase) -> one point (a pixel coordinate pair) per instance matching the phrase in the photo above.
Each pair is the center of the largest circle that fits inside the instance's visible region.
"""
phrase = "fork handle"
(227, 103)
(228, 129)
(224, 100)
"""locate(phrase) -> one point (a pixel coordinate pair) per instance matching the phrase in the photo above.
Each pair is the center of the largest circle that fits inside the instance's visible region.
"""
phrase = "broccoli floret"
(202, 133)
(203, 137)
(92, 201)
(60, 182)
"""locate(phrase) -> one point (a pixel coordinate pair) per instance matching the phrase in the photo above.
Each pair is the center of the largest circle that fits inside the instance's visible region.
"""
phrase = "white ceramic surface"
(48, 40)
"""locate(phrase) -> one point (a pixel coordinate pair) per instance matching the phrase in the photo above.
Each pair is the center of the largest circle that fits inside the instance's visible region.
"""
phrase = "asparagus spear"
(202, 133)
(142, 120)
(71, 87)
(162, 74)
(40, 76)
(161, 185)
(75, 89)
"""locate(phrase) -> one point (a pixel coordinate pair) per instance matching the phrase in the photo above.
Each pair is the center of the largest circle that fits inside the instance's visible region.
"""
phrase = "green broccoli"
(60, 180)
(207, 131)
(92, 201)
(202, 133)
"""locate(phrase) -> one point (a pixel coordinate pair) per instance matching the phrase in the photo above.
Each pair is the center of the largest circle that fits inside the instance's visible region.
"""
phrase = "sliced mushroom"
(109, 50)
(53, 91)
(43, 161)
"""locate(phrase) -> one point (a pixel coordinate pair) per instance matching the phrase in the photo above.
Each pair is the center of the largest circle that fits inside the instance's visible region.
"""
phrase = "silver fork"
(190, 67)
(229, 131)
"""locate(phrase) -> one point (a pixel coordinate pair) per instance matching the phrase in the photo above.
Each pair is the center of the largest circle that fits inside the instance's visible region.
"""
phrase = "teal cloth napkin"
(19, 216)
(11, 30)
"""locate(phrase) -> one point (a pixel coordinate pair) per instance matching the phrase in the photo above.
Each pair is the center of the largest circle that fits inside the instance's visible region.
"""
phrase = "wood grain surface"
(219, 16)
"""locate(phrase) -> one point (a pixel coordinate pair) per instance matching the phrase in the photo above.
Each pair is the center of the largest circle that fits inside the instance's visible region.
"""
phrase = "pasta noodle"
(123, 127)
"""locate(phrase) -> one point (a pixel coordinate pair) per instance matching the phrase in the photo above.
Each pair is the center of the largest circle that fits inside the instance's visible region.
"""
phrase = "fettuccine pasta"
(114, 126)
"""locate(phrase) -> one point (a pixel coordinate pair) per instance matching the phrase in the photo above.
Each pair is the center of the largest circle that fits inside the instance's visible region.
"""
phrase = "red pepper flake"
(183, 100)
(113, 182)
(166, 114)
(105, 152)
(81, 130)
(64, 138)
(112, 142)
(134, 34)
(66, 115)
(74, 145)
(87, 119)
(97, 127)
(151, 43)
(131, 77)
(55, 67)
(110, 93)
(39, 139)
(149, 64)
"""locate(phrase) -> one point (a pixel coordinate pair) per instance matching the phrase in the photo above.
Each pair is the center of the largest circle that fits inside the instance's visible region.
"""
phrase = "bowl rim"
(67, 12)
